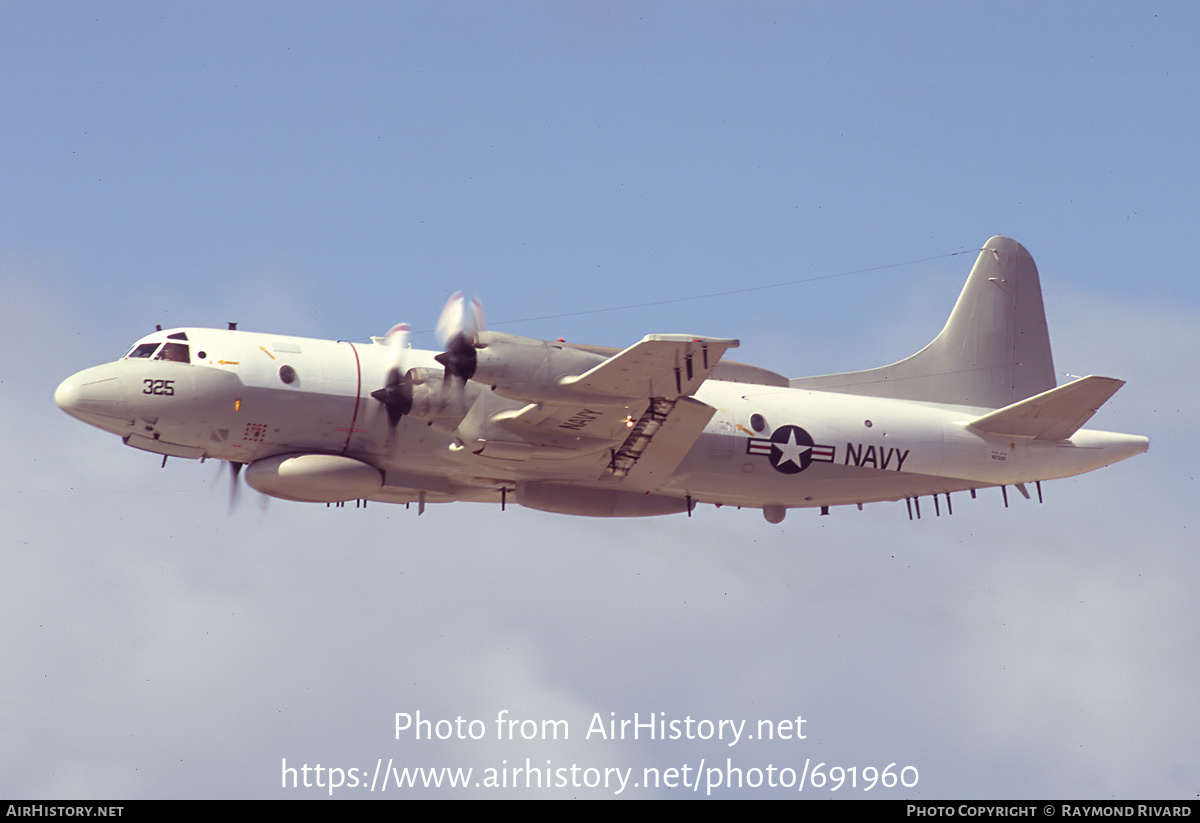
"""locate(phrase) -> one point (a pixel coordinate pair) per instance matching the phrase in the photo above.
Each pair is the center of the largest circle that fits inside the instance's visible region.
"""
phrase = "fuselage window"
(144, 350)
(177, 352)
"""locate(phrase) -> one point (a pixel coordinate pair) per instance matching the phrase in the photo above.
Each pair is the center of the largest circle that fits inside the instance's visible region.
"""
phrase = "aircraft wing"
(635, 408)
(660, 440)
(659, 365)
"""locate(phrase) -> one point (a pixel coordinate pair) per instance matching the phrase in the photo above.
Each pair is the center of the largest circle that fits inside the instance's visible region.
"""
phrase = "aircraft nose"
(68, 396)
(92, 395)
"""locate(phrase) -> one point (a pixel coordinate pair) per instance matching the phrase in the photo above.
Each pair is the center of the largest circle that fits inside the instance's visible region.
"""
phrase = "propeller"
(397, 392)
(235, 488)
(235, 469)
(458, 328)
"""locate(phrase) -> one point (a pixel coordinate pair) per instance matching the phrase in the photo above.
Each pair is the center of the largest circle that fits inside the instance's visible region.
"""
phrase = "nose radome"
(68, 395)
(92, 395)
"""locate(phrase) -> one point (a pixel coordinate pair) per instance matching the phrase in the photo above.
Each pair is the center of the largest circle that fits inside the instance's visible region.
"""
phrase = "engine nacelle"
(525, 369)
(314, 478)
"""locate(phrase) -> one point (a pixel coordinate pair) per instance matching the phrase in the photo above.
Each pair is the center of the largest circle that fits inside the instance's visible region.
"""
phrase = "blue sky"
(328, 170)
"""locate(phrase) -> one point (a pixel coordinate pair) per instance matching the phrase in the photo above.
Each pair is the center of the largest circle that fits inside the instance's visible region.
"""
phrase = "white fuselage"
(246, 397)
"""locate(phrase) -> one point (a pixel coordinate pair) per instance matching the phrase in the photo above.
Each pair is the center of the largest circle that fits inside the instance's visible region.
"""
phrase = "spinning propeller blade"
(458, 328)
(396, 394)
(235, 469)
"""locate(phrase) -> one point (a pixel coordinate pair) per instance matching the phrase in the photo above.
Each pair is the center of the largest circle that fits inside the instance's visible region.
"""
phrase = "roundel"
(791, 449)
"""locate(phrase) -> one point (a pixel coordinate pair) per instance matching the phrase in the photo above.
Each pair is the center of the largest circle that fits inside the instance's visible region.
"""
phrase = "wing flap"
(660, 440)
(1055, 414)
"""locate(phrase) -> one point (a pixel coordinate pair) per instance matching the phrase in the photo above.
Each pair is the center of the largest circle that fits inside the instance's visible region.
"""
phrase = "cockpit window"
(177, 352)
(144, 350)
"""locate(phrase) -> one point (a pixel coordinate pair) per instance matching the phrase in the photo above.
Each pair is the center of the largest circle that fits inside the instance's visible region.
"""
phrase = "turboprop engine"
(473, 360)
(522, 368)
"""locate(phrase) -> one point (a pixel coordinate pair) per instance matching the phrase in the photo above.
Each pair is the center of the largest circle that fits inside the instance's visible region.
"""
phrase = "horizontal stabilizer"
(1052, 415)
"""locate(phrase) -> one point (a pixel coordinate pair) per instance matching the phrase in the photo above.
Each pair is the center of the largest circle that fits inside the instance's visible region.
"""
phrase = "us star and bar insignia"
(790, 449)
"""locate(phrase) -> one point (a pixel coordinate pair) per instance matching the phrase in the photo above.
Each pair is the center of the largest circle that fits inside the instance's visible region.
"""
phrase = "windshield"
(177, 352)
(144, 350)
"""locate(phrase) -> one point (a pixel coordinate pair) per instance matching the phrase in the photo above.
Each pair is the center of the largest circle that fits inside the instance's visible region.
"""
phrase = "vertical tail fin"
(994, 350)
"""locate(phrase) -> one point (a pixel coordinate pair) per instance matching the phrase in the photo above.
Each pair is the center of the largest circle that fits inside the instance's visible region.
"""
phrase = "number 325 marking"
(164, 387)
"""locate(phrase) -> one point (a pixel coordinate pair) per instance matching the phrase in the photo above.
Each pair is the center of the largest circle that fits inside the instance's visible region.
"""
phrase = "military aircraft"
(655, 428)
